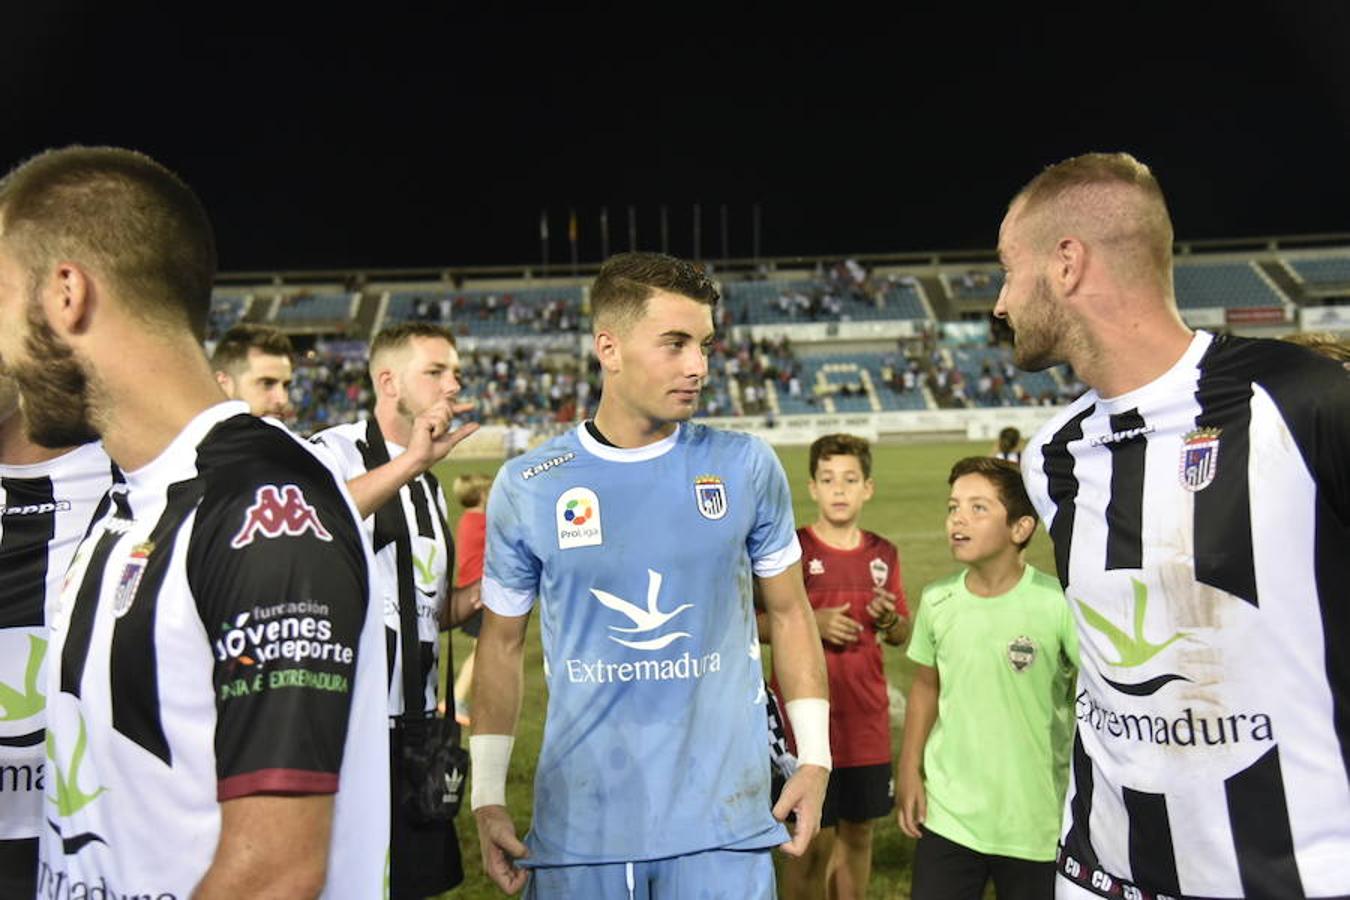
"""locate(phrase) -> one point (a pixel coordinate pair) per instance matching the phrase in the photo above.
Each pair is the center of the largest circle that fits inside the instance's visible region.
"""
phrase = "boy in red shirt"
(472, 492)
(853, 581)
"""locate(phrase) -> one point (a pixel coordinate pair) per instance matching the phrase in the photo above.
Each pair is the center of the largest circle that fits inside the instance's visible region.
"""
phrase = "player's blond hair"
(1108, 200)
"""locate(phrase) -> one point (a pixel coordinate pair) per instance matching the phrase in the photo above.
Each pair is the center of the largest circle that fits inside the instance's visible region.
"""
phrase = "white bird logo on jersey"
(644, 620)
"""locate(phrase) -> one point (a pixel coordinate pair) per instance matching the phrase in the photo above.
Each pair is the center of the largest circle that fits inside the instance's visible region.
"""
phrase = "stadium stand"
(226, 311)
(1227, 285)
(518, 312)
(1322, 272)
(308, 310)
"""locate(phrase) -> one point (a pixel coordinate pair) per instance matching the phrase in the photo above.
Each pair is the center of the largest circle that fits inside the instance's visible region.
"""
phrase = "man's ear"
(226, 384)
(607, 350)
(71, 297)
(1070, 261)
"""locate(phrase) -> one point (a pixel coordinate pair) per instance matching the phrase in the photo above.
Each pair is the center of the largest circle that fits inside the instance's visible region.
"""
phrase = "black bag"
(432, 766)
(434, 769)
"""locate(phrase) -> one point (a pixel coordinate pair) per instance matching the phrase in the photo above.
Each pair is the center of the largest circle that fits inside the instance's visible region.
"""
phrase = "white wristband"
(810, 718)
(489, 758)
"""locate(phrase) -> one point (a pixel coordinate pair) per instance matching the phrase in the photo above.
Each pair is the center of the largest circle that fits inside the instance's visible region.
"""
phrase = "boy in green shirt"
(983, 758)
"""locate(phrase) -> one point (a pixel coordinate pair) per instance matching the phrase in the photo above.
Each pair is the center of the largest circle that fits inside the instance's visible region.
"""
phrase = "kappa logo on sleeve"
(277, 511)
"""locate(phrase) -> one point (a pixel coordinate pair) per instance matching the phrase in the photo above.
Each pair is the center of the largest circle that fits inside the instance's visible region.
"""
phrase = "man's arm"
(920, 715)
(271, 848)
(430, 443)
(799, 664)
(462, 603)
(496, 707)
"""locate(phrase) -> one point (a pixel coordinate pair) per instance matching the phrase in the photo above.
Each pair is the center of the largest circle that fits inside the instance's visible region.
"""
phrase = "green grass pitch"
(908, 508)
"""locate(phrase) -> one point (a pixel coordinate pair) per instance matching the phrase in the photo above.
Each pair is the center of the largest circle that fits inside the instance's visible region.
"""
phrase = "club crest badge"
(815, 567)
(1021, 653)
(1199, 458)
(710, 494)
(130, 578)
(879, 571)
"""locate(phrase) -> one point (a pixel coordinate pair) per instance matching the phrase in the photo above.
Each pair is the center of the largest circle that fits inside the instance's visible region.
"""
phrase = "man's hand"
(803, 795)
(497, 839)
(836, 626)
(431, 437)
(911, 801)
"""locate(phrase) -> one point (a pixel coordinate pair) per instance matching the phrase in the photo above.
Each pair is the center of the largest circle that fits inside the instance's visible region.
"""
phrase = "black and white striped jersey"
(213, 641)
(45, 509)
(421, 505)
(1201, 526)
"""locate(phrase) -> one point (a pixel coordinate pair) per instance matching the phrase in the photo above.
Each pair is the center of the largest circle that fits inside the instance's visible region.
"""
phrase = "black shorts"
(858, 794)
(946, 870)
(424, 860)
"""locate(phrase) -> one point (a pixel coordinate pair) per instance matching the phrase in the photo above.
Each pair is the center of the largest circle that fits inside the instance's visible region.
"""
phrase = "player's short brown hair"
(396, 336)
(841, 445)
(1006, 478)
(627, 280)
(124, 216)
(471, 489)
(231, 353)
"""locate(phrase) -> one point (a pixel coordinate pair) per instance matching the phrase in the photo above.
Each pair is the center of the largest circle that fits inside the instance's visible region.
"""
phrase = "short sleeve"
(279, 575)
(511, 570)
(922, 648)
(772, 542)
(340, 452)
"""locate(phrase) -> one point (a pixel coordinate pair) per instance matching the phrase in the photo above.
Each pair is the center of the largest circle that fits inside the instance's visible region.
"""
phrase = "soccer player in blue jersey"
(642, 538)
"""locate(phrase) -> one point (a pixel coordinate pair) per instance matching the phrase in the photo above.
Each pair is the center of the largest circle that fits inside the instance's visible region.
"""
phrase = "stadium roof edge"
(918, 259)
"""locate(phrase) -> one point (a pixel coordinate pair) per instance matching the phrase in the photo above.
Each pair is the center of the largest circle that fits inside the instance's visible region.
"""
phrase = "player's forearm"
(271, 848)
(920, 715)
(498, 679)
(798, 660)
(381, 484)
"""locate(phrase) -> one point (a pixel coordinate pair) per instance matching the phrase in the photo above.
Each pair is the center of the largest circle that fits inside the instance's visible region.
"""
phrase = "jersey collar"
(625, 454)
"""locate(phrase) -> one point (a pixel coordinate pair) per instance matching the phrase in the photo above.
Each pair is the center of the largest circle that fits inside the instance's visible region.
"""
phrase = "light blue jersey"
(643, 561)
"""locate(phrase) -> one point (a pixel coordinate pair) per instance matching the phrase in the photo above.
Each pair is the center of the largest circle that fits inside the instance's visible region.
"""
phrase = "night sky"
(397, 138)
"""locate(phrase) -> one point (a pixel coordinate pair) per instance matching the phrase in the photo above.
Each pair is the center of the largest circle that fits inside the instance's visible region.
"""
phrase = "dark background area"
(411, 136)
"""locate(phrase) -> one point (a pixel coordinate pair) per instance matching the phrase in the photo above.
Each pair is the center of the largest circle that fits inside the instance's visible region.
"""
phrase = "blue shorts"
(710, 875)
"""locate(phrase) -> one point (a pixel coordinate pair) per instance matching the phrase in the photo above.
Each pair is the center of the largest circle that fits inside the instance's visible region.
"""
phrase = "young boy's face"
(840, 489)
(977, 521)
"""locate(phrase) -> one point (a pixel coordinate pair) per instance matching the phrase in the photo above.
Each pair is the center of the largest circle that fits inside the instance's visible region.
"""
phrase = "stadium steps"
(368, 312)
(256, 309)
(873, 400)
(944, 310)
(771, 396)
(1276, 272)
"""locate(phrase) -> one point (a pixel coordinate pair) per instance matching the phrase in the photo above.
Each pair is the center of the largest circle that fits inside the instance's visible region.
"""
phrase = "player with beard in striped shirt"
(47, 498)
(1198, 497)
(215, 721)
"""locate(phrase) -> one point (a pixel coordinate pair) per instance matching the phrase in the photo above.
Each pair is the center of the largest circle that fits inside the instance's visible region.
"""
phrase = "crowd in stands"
(534, 386)
(539, 312)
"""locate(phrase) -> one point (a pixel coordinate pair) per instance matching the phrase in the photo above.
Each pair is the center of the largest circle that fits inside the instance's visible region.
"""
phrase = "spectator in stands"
(981, 782)
(253, 363)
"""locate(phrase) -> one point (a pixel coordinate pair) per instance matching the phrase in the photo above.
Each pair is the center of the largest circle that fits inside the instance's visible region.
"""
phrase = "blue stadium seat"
(1226, 285)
